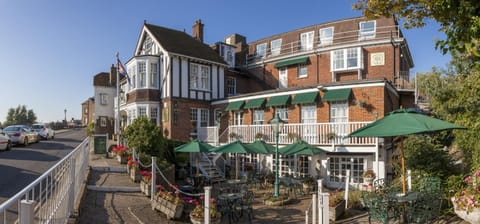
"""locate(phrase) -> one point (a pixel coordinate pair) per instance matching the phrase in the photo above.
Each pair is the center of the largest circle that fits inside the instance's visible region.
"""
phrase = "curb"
(113, 188)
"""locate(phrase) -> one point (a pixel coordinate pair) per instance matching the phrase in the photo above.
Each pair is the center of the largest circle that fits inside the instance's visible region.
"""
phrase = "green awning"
(303, 98)
(278, 101)
(337, 95)
(294, 61)
(255, 103)
(237, 105)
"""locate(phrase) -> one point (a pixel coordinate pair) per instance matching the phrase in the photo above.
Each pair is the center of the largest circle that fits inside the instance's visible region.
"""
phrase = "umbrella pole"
(404, 189)
(236, 166)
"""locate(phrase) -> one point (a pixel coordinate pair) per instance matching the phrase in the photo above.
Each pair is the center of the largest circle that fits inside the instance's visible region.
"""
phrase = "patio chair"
(424, 209)
(246, 205)
(380, 208)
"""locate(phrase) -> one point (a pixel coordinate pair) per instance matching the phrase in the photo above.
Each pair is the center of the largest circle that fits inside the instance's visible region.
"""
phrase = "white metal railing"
(208, 134)
(315, 133)
(51, 197)
(339, 38)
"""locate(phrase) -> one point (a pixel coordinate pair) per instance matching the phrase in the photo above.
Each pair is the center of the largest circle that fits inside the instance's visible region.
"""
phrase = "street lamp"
(277, 125)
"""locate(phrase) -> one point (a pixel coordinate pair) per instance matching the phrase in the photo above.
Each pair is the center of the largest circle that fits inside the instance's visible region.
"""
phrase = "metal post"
(154, 178)
(276, 164)
(71, 199)
(409, 180)
(347, 185)
(26, 211)
(314, 208)
(325, 210)
(207, 204)
(117, 121)
(306, 217)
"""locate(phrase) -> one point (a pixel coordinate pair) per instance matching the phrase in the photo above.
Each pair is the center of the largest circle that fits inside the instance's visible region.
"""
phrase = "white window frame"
(238, 118)
(338, 166)
(204, 117)
(261, 50)
(326, 35)
(142, 111)
(199, 76)
(103, 121)
(282, 112)
(340, 59)
(153, 74)
(194, 121)
(275, 46)
(148, 45)
(154, 115)
(306, 41)
(258, 117)
(302, 71)
(365, 33)
(142, 74)
(103, 99)
(231, 86)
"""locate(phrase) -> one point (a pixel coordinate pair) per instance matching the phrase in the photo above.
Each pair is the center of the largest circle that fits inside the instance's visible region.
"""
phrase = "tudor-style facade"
(325, 80)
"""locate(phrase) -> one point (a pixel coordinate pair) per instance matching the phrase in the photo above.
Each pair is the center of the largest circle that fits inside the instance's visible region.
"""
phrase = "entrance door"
(309, 120)
(282, 78)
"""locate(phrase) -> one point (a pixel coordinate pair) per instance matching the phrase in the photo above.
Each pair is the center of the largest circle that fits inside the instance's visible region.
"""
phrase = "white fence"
(51, 197)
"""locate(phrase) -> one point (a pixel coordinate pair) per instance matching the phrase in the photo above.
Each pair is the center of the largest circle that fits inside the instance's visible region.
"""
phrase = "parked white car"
(44, 131)
(21, 134)
(5, 142)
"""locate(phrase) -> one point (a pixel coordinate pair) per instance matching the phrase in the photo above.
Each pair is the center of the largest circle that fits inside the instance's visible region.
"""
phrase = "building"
(324, 80)
(105, 87)
(88, 108)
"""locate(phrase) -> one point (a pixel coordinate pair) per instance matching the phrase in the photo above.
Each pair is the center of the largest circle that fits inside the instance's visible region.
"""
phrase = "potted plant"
(331, 135)
(307, 184)
(146, 182)
(292, 136)
(282, 199)
(368, 176)
(336, 205)
(233, 136)
(168, 202)
(197, 215)
(259, 136)
(466, 202)
(122, 153)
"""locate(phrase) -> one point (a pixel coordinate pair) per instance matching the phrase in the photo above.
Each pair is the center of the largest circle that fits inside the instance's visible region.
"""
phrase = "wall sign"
(377, 59)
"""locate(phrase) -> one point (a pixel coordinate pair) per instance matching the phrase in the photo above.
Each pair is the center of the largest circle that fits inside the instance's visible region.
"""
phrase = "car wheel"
(9, 146)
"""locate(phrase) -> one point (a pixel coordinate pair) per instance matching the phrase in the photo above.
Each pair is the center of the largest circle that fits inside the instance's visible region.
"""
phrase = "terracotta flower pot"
(201, 220)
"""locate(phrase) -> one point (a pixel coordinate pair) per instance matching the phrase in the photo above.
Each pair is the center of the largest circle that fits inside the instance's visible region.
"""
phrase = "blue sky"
(50, 50)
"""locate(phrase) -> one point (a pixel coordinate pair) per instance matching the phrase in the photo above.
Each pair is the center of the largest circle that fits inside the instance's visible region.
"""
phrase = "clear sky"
(50, 50)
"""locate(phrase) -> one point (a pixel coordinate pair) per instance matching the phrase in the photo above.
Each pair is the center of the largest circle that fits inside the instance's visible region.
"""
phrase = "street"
(22, 165)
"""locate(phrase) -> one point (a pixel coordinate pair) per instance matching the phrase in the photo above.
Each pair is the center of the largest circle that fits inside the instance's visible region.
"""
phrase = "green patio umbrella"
(403, 122)
(300, 147)
(194, 146)
(235, 147)
(261, 147)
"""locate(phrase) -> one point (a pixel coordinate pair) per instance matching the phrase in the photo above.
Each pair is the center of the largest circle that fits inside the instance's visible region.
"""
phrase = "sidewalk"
(111, 197)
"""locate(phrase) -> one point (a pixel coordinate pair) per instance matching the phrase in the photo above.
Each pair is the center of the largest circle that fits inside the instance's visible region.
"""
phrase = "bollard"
(26, 211)
(306, 217)
(314, 208)
(347, 186)
(207, 204)
(153, 186)
(409, 180)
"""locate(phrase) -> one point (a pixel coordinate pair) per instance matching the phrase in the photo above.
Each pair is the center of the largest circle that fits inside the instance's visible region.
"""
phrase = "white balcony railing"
(315, 134)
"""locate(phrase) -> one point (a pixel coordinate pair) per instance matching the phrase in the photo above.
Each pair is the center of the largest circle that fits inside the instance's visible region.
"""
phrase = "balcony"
(384, 33)
(402, 81)
(319, 134)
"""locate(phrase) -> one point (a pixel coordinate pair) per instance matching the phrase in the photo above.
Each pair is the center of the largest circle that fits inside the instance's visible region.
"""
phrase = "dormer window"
(275, 46)
(367, 29)
(306, 41)
(326, 36)
(261, 50)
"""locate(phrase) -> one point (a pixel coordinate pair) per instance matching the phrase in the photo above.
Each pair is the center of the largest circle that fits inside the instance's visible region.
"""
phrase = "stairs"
(209, 170)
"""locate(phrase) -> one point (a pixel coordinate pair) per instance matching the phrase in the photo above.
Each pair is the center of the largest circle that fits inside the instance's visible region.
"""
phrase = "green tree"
(459, 20)
(20, 115)
(145, 137)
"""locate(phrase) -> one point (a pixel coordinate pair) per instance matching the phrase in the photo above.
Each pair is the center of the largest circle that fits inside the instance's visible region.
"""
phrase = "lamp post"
(277, 126)
(65, 111)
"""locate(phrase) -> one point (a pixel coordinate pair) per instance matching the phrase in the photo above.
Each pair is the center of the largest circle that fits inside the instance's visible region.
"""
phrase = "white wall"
(104, 110)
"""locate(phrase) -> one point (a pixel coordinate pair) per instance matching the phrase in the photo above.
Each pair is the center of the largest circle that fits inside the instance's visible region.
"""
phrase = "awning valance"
(303, 98)
(294, 61)
(254, 103)
(337, 95)
(237, 105)
(278, 101)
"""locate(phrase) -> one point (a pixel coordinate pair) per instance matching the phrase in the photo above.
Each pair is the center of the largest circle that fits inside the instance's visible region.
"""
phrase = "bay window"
(199, 76)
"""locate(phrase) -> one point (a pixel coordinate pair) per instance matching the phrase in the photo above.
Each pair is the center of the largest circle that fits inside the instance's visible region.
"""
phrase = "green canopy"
(403, 122)
(194, 146)
(300, 147)
(235, 147)
(261, 147)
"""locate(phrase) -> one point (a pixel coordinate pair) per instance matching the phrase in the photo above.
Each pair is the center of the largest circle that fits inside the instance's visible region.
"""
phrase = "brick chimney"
(197, 32)
(113, 75)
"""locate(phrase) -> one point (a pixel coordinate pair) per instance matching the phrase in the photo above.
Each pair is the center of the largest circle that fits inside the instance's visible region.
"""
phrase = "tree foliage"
(456, 98)
(459, 20)
(20, 115)
(144, 136)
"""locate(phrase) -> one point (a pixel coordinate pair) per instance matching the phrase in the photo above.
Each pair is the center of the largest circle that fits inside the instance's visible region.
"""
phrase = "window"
(258, 116)
(261, 50)
(133, 72)
(142, 74)
(302, 71)
(148, 45)
(204, 117)
(345, 59)
(153, 75)
(306, 41)
(142, 111)
(238, 118)
(367, 30)
(326, 35)
(86, 111)
(338, 166)
(231, 86)
(153, 115)
(275, 46)
(194, 120)
(282, 112)
(103, 98)
(199, 76)
(103, 121)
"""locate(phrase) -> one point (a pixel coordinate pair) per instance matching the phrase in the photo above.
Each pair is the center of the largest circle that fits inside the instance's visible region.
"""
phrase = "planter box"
(145, 188)
(472, 217)
(172, 211)
(135, 175)
(122, 159)
(202, 220)
(337, 211)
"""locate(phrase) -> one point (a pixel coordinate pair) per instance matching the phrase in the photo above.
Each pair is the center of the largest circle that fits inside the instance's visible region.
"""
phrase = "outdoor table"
(239, 181)
(402, 200)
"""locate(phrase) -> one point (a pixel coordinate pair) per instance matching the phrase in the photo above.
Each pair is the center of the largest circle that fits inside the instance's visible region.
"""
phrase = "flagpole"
(117, 121)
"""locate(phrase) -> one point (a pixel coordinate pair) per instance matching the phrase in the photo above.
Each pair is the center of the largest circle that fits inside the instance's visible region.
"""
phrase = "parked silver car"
(44, 131)
(5, 142)
(21, 134)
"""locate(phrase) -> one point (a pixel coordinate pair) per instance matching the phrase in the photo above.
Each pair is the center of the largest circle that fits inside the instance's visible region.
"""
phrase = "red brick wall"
(181, 127)
(143, 95)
